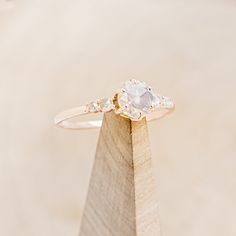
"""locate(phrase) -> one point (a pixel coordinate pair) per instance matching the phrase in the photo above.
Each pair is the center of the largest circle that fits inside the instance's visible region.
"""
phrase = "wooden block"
(121, 198)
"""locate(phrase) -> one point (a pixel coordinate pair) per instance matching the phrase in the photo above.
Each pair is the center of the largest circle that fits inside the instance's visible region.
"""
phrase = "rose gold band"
(64, 119)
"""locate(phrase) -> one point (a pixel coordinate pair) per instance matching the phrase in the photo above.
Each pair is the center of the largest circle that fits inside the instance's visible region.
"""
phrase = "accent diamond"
(106, 104)
(166, 102)
(93, 107)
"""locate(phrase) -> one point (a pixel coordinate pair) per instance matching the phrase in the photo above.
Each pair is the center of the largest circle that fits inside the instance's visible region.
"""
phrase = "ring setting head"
(136, 100)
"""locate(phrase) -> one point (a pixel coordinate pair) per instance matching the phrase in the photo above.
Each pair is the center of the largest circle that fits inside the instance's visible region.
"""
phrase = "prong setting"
(138, 100)
(149, 88)
(151, 107)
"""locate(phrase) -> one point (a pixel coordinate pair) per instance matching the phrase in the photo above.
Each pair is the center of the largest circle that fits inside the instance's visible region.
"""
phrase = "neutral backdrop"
(58, 54)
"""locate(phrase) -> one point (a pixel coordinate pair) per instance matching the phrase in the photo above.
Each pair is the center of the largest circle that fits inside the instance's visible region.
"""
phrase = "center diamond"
(137, 99)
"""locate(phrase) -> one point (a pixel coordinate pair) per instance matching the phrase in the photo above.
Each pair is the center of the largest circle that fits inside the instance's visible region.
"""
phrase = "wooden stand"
(121, 197)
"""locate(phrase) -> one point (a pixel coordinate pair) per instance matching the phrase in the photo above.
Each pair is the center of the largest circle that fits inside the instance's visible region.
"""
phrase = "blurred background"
(59, 54)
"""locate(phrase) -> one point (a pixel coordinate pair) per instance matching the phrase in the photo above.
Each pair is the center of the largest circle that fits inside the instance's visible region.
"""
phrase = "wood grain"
(121, 198)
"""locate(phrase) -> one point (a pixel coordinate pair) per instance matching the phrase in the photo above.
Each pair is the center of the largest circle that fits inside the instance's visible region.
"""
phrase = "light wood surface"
(121, 198)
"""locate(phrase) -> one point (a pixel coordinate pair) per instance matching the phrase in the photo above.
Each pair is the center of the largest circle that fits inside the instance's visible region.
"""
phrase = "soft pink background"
(59, 54)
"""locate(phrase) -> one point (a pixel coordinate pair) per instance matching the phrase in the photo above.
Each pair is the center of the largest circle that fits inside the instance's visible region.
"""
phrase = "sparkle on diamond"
(137, 98)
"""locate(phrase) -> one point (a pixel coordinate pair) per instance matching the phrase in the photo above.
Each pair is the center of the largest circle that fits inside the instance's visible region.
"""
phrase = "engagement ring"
(135, 101)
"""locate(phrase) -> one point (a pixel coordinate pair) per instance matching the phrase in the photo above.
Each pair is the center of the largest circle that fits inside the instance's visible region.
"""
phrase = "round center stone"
(137, 99)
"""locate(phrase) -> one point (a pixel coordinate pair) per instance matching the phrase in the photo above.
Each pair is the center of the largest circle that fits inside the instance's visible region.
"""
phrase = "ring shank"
(64, 119)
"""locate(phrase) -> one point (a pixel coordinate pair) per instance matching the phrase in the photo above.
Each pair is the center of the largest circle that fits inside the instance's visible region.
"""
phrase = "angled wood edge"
(121, 198)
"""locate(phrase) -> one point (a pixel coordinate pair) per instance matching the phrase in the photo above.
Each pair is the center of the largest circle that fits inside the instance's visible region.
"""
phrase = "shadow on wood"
(121, 198)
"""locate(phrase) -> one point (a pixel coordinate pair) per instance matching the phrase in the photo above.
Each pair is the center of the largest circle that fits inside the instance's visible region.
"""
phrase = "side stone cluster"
(101, 105)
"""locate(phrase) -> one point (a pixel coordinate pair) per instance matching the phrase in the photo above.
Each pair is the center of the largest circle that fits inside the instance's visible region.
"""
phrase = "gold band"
(64, 119)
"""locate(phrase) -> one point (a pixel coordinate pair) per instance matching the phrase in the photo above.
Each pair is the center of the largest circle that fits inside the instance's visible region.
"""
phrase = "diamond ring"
(136, 100)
